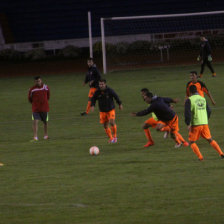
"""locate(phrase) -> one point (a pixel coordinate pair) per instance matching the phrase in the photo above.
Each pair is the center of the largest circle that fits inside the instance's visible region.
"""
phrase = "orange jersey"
(201, 88)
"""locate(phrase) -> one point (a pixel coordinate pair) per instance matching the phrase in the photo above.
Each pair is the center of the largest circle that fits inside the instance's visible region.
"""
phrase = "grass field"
(57, 181)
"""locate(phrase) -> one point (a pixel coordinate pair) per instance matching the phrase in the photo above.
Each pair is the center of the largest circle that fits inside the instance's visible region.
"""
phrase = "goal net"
(138, 41)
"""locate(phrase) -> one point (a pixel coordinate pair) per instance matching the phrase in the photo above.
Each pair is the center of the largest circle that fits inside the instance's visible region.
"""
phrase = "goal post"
(133, 41)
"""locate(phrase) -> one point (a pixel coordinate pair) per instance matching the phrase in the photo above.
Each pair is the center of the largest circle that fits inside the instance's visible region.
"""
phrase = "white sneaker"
(166, 134)
(178, 145)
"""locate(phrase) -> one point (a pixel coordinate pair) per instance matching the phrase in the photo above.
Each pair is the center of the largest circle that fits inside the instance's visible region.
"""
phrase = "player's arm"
(211, 98)
(187, 113)
(30, 96)
(48, 93)
(143, 112)
(205, 90)
(115, 96)
(86, 80)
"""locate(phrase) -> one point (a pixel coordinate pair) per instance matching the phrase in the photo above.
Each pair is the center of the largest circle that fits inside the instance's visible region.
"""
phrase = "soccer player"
(205, 56)
(161, 107)
(92, 77)
(105, 96)
(38, 96)
(197, 121)
(201, 89)
(154, 121)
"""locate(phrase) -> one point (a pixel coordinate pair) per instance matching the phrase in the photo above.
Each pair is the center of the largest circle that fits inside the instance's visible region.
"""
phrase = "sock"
(176, 137)
(196, 151)
(148, 135)
(114, 130)
(179, 136)
(108, 132)
(166, 128)
(215, 145)
(35, 138)
(88, 107)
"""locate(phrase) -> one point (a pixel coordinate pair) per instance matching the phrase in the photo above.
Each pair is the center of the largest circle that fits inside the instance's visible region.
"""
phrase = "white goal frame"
(143, 17)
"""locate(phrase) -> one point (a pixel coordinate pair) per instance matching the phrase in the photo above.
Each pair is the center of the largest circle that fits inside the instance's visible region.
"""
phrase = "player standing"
(201, 89)
(105, 96)
(92, 77)
(205, 56)
(38, 96)
(197, 121)
(161, 107)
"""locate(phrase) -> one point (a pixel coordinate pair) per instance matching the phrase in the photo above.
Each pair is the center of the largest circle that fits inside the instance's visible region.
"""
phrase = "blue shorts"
(42, 116)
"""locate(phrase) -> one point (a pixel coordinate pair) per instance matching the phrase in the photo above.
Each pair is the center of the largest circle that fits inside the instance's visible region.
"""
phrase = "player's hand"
(213, 102)
(176, 100)
(91, 82)
(133, 114)
(120, 107)
(209, 58)
(92, 109)
(198, 58)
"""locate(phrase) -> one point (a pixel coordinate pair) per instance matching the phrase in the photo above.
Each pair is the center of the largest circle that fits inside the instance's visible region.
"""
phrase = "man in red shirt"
(38, 96)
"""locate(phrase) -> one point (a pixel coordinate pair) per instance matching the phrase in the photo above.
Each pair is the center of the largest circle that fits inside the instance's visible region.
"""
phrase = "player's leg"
(161, 126)
(209, 64)
(207, 135)
(44, 118)
(35, 119)
(202, 68)
(105, 122)
(91, 93)
(194, 135)
(111, 118)
(209, 110)
(145, 127)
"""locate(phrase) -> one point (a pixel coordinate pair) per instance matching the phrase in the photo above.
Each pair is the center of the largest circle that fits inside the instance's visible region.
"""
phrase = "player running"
(201, 89)
(92, 77)
(161, 107)
(197, 121)
(105, 96)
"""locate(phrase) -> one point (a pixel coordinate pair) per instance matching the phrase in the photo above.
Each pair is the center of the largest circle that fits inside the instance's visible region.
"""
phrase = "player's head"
(193, 89)
(37, 80)
(194, 76)
(102, 84)
(90, 62)
(144, 91)
(148, 97)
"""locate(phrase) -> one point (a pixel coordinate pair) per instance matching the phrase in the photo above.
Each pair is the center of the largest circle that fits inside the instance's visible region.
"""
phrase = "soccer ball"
(94, 151)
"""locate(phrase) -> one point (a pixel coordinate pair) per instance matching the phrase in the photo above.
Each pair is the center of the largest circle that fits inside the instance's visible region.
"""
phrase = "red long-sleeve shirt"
(39, 97)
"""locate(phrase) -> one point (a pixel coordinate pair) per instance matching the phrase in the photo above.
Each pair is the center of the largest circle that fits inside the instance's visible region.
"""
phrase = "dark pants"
(208, 63)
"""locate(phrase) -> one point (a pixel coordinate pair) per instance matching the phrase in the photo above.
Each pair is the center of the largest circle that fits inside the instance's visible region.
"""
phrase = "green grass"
(57, 181)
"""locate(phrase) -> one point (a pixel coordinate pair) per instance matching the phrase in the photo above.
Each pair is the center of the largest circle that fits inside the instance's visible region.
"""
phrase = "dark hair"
(36, 77)
(193, 89)
(103, 80)
(149, 94)
(145, 90)
(194, 72)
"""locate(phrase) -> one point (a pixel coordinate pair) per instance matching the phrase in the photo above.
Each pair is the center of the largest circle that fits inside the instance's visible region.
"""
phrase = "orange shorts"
(197, 131)
(173, 124)
(106, 116)
(91, 92)
(153, 123)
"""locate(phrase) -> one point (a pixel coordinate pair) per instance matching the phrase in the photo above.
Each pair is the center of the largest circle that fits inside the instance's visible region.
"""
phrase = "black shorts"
(42, 116)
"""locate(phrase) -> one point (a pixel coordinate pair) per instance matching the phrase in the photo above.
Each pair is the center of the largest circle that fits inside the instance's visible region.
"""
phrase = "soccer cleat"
(201, 159)
(114, 140)
(185, 144)
(35, 139)
(148, 144)
(214, 75)
(83, 114)
(1, 164)
(46, 137)
(177, 145)
(166, 134)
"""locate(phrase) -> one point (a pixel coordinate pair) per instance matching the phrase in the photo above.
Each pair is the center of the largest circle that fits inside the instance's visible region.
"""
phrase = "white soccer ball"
(94, 151)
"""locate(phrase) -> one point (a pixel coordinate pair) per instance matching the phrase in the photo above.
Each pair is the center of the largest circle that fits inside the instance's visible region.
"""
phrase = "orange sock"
(215, 145)
(108, 132)
(148, 135)
(166, 128)
(196, 151)
(179, 136)
(114, 130)
(88, 107)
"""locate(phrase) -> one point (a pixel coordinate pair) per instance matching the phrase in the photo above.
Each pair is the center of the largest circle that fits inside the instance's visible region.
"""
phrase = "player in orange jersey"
(92, 77)
(201, 89)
